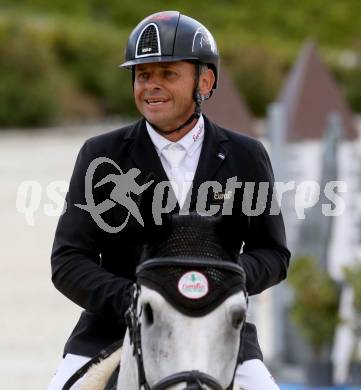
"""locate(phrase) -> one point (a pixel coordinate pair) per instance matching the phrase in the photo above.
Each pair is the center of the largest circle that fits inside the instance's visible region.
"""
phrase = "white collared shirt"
(191, 142)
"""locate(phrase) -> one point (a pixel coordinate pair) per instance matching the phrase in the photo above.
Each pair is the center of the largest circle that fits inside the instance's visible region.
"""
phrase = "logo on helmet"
(148, 42)
(203, 39)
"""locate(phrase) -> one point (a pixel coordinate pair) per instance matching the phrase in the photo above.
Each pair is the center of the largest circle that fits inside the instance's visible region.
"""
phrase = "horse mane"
(99, 374)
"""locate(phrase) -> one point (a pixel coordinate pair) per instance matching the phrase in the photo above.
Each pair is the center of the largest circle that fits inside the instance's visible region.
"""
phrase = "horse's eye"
(148, 314)
(237, 316)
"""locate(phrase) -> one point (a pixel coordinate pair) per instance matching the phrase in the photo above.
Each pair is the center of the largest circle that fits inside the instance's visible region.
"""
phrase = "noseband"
(195, 380)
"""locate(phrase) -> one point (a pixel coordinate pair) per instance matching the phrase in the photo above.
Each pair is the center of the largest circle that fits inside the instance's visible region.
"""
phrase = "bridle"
(195, 380)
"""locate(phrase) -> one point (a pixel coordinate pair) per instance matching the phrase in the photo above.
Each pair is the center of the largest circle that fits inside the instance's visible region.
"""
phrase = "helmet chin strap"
(196, 114)
(198, 98)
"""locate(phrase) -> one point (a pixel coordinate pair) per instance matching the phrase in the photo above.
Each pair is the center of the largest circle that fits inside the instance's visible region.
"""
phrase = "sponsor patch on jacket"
(221, 196)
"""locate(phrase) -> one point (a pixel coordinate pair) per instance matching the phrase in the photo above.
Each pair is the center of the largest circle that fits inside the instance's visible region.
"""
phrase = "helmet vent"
(148, 43)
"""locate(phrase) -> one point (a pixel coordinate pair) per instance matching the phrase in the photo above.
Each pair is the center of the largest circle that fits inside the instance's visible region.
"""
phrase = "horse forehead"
(152, 296)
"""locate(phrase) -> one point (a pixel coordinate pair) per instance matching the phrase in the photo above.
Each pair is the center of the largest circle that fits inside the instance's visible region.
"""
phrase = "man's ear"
(206, 81)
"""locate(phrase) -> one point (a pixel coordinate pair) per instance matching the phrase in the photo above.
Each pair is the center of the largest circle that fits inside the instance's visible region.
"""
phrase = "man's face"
(163, 92)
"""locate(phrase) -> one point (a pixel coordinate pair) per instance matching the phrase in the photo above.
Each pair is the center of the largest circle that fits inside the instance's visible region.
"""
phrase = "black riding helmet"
(170, 36)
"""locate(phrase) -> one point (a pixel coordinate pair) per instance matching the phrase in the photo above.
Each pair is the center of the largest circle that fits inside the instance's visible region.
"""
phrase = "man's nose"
(153, 82)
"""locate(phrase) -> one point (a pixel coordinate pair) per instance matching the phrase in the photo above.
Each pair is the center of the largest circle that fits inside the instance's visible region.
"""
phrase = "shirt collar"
(191, 141)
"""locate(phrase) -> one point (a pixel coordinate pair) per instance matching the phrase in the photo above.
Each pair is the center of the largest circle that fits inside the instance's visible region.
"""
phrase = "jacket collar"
(143, 152)
(190, 142)
(212, 156)
(145, 156)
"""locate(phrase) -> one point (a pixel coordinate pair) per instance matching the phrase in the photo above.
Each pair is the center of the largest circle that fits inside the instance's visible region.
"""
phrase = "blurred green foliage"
(72, 49)
(353, 280)
(335, 23)
(53, 69)
(315, 304)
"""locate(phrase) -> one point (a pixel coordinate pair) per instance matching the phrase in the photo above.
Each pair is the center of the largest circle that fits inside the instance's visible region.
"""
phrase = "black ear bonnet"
(189, 265)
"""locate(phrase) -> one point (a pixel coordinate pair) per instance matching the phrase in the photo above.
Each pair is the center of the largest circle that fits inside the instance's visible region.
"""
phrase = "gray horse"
(184, 324)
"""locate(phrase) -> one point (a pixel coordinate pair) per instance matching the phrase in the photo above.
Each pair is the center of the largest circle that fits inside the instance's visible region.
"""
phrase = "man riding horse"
(174, 62)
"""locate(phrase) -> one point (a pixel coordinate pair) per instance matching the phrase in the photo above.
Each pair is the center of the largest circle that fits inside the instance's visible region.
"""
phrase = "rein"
(133, 324)
(102, 355)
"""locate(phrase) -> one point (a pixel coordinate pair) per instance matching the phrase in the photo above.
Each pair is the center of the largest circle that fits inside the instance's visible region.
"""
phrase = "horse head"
(187, 311)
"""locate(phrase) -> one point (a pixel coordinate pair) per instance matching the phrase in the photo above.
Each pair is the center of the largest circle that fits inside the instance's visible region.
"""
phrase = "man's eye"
(169, 73)
(142, 76)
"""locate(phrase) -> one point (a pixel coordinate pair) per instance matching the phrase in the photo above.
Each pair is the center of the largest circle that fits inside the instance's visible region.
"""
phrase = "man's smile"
(156, 101)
